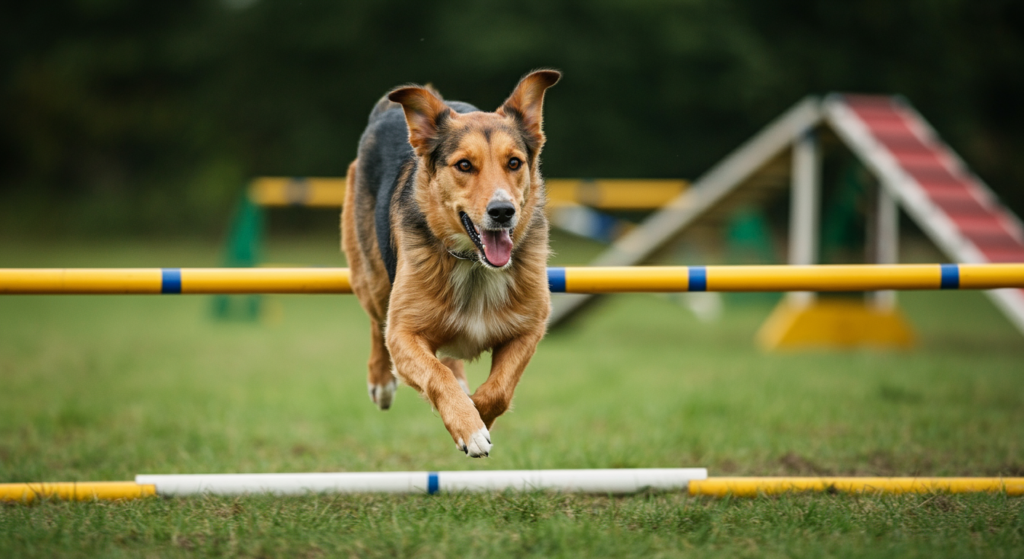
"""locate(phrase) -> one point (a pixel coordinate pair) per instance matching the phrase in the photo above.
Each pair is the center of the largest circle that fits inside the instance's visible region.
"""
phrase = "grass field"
(103, 388)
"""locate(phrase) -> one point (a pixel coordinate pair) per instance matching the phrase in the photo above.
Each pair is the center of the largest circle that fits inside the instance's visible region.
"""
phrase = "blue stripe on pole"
(170, 280)
(698, 278)
(556, 280)
(432, 483)
(950, 276)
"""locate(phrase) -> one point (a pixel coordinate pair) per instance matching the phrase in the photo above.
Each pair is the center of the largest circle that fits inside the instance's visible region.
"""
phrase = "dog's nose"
(501, 212)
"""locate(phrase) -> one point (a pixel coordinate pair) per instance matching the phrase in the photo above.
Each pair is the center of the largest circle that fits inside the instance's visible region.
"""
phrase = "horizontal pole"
(754, 486)
(606, 194)
(575, 481)
(317, 192)
(614, 194)
(615, 481)
(618, 481)
(636, 279)
(170, 281)
(853, 277)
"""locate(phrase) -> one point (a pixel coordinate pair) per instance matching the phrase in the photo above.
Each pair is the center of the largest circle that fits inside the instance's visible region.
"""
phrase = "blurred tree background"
(147, 117)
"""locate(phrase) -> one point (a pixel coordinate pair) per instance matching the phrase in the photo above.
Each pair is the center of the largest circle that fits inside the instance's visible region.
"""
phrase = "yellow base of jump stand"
(833, 324)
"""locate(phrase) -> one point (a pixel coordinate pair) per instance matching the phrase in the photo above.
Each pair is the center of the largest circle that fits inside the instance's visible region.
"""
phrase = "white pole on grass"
(567, 481)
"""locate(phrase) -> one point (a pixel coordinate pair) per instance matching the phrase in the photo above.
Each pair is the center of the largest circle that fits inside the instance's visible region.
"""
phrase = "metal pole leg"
(803, 215)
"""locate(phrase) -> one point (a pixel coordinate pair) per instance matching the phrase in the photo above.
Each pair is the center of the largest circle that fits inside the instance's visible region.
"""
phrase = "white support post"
(887, 242)
(803, 214)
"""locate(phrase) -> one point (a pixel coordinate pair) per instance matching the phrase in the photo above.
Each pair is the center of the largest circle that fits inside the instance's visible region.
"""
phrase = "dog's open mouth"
(495, 245)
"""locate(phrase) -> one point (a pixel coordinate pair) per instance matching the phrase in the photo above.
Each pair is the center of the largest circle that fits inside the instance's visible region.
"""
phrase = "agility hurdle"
(567, 280)
(694, 481)
(633, 279)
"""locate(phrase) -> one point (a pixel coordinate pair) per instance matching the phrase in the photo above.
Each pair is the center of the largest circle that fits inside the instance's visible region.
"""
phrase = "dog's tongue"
(497, 246)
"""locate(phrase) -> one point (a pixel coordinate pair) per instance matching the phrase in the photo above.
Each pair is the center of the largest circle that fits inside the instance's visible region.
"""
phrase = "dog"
(447, 242)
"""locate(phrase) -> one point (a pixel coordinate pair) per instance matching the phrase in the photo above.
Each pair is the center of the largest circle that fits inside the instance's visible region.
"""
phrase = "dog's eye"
(514, 163)
(464, 165)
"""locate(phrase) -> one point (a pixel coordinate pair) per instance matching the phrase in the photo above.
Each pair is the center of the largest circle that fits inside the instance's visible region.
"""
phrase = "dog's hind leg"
(381, 382)
(459, 370)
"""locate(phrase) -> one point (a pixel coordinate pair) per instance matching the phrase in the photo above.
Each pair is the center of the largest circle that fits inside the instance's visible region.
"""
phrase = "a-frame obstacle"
(915, 170)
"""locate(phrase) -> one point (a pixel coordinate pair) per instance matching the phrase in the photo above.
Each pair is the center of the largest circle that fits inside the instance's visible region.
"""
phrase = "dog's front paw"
(382, 394)
(489, 405)
(479, 444)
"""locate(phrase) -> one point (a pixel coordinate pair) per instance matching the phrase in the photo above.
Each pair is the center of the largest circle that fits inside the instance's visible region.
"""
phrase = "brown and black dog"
(447, 241)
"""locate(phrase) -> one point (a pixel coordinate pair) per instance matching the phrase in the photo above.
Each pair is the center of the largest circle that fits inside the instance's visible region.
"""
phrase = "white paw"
(465, 387)
(382, 395)
(479, 444)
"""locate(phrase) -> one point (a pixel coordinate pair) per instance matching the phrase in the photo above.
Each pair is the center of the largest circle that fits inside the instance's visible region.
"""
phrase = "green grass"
(103, 388)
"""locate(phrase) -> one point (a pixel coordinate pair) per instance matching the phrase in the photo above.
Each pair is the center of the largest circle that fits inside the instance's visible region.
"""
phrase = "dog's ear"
(526, 105)
(424, 113)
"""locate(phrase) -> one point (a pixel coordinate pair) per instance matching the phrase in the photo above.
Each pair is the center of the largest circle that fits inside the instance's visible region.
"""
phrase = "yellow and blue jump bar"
(172, 281)
(632, 279)
(857, 277)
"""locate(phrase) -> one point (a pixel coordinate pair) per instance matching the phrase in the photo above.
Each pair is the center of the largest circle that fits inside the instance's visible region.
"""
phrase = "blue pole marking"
(170, 280)
(698, 278)
(556, 280)
(433, 484)
(950, 276)
(605, 226)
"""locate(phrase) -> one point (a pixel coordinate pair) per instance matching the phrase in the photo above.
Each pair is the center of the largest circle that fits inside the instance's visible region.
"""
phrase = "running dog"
(446, 238)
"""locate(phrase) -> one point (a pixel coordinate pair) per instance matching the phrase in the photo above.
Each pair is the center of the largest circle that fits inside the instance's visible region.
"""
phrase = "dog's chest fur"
(482, 313)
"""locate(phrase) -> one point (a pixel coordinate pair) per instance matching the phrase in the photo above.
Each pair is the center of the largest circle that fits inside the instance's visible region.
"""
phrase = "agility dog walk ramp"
(961, 214)
(915, 170)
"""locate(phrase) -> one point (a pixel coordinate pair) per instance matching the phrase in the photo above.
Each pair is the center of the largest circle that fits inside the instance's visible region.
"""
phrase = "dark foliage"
(131, 116)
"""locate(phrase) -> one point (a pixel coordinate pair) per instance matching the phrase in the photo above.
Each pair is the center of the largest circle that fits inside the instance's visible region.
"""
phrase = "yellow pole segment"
(265, 280)
(614, 194)
(825, 278)
(318, 192)
(74, 491)
(80, 280)
(647, 279)
(754, 486)
(990, 276)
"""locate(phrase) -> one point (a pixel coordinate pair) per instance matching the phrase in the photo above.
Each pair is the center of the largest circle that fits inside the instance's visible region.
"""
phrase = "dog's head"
(482, 168)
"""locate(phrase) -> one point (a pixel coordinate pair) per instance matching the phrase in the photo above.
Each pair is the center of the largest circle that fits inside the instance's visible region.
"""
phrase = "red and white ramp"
(934, 186)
